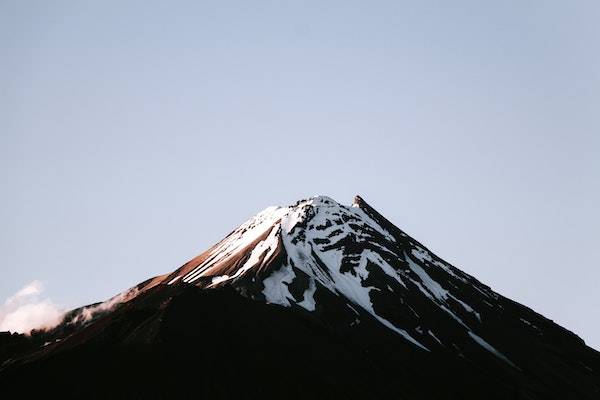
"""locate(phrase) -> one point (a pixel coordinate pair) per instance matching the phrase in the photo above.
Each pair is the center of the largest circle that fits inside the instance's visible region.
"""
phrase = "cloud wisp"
(26, 310)
(87, 313)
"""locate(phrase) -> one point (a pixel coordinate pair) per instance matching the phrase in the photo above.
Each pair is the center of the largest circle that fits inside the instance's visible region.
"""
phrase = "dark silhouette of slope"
(316, 300)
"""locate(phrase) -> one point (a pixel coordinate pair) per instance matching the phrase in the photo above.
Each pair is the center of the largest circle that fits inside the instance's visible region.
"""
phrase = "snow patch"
(308, 301)
(276, 286)
(491, 349)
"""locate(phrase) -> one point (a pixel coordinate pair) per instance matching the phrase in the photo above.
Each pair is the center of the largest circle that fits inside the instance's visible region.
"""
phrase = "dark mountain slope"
(312, 300)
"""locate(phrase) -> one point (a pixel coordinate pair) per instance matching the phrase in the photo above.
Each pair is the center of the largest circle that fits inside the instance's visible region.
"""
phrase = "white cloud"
(87, 313)
(25, 310)
(33, 288)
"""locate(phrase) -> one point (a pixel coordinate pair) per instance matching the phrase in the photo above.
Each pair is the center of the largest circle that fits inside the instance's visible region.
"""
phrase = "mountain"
(314, 300)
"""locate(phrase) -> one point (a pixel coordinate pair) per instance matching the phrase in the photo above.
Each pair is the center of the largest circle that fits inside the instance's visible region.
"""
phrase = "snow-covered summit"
(306, 291)
(319, 251)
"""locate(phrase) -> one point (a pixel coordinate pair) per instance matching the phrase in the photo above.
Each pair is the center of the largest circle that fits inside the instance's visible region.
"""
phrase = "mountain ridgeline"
(313, 300)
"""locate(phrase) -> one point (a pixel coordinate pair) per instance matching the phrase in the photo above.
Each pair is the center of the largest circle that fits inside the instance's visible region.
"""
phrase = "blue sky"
(133, 135)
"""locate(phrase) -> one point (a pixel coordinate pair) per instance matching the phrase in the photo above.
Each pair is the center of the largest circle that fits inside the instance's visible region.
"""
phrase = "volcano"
(312, 300)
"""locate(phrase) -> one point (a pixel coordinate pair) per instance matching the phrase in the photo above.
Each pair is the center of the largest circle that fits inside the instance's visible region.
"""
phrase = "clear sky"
(133, 135)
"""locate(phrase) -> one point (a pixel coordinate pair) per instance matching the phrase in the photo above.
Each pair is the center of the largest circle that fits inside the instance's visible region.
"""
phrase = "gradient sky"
(133, 135)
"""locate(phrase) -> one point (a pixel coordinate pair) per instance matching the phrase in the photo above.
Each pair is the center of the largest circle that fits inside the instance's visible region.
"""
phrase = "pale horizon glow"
(134, 135)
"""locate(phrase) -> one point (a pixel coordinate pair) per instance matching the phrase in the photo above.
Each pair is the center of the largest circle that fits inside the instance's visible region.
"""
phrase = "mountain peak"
(349, 280)
(358, 201)
(317, 248)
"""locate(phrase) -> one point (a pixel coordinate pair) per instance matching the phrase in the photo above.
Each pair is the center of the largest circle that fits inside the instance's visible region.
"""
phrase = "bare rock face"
(316, 299)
